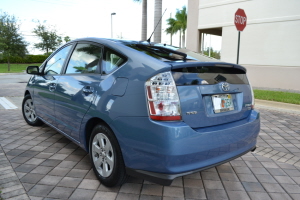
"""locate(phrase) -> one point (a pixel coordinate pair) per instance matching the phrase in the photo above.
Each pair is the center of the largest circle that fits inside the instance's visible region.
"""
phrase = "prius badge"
(225, 86)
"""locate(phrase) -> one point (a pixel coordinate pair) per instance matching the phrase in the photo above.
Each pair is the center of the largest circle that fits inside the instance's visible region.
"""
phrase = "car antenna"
(155, 27)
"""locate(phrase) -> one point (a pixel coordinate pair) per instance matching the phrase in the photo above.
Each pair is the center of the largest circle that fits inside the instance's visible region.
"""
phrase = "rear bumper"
(166, 179)
(166, 150)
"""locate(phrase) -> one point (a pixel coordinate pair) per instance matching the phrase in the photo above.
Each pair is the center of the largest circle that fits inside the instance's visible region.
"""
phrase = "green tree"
(67, 39)
(49, 39)
(11, 41)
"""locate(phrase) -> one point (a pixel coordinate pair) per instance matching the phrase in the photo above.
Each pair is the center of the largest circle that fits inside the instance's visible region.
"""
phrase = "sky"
(88, 18)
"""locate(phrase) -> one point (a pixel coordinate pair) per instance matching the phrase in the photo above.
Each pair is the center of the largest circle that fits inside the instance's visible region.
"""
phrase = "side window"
(111, 61)
(84, 59)
(55, 64)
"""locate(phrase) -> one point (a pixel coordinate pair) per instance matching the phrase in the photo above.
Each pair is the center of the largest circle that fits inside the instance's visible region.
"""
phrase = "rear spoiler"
(206, 64)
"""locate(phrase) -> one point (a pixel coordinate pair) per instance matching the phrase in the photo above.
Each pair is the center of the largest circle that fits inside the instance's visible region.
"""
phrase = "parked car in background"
(147, 110)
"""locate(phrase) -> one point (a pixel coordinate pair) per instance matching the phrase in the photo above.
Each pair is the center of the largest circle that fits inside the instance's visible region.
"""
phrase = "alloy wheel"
(103, 155)
(29, 110)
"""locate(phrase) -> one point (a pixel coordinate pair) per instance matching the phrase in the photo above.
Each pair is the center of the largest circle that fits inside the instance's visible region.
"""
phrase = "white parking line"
(7, 104)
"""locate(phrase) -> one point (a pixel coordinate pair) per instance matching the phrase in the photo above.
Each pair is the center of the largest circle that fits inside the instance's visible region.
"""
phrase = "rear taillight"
(252, 99)
(163, 100)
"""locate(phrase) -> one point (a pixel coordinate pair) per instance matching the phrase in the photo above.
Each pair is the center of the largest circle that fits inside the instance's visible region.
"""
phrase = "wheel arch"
(26, 93)
(91, 123)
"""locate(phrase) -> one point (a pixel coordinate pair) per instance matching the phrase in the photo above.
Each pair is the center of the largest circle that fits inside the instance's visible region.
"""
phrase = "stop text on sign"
(240, 19)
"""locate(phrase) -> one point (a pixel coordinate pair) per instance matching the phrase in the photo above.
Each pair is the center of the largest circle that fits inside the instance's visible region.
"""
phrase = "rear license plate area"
(222, 103)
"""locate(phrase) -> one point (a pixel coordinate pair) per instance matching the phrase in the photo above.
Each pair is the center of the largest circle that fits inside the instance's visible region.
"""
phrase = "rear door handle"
(88, 90)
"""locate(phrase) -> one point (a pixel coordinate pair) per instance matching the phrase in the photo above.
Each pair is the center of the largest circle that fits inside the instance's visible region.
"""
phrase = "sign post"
(240, 21)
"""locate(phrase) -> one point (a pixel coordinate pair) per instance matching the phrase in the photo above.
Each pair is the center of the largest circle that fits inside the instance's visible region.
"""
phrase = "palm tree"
(172, 29)
(157, 16)
(178, 24)
(181, 21)
(144, 19)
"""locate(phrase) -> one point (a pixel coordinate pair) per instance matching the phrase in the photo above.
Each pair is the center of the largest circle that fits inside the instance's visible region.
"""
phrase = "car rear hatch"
(212, 93)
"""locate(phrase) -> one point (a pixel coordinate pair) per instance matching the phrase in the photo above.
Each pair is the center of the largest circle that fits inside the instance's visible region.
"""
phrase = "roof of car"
(120, 41)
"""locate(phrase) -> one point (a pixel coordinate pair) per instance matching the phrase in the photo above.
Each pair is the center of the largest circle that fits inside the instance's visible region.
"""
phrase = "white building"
(269, 45)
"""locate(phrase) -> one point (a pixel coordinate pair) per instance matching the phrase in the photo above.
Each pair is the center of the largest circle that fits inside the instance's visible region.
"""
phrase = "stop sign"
(240, 19)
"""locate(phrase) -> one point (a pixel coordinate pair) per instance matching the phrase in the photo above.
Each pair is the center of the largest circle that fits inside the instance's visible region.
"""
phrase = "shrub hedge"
(25, 59)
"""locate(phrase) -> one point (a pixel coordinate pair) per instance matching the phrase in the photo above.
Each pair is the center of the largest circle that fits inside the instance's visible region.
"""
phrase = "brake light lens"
(163, 99)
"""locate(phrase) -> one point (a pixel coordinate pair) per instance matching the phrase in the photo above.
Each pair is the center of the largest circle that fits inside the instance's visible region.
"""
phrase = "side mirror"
(33, 70)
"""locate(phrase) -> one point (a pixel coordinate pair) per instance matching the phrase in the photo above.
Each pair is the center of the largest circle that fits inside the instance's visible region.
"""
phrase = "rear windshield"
(209, 75)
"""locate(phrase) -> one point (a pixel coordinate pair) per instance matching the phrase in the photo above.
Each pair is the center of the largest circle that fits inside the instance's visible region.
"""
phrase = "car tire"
(29, 112)
(106, 157)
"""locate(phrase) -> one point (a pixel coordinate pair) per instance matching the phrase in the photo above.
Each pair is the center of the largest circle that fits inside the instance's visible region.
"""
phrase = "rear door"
(212, 93)
(76, 87)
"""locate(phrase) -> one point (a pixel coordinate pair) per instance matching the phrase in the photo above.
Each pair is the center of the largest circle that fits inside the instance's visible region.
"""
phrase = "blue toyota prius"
(142, 109)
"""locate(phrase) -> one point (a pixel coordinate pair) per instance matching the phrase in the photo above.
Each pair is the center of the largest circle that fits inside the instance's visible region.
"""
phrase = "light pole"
(111, 23)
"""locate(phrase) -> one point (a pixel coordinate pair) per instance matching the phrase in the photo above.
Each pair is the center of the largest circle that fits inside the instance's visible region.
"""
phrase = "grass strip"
(285, 97)
(16, 68)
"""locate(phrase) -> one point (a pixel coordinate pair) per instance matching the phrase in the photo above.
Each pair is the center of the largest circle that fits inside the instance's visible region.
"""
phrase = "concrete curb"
(278, 106)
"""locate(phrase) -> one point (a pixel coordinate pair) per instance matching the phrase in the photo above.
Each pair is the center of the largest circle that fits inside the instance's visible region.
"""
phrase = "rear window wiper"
(153, 49)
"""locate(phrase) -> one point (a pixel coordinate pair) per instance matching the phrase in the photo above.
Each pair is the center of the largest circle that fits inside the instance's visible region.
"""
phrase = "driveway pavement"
(39, 163)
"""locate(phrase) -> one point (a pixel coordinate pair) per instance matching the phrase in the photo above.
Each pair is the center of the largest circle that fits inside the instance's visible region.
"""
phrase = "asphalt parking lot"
(39, 163)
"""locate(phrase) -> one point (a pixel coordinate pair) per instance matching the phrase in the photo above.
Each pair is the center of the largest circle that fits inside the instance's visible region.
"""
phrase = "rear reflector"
(166, 118)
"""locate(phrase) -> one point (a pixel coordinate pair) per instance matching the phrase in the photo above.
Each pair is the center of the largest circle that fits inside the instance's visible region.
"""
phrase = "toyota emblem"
(225, 86)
